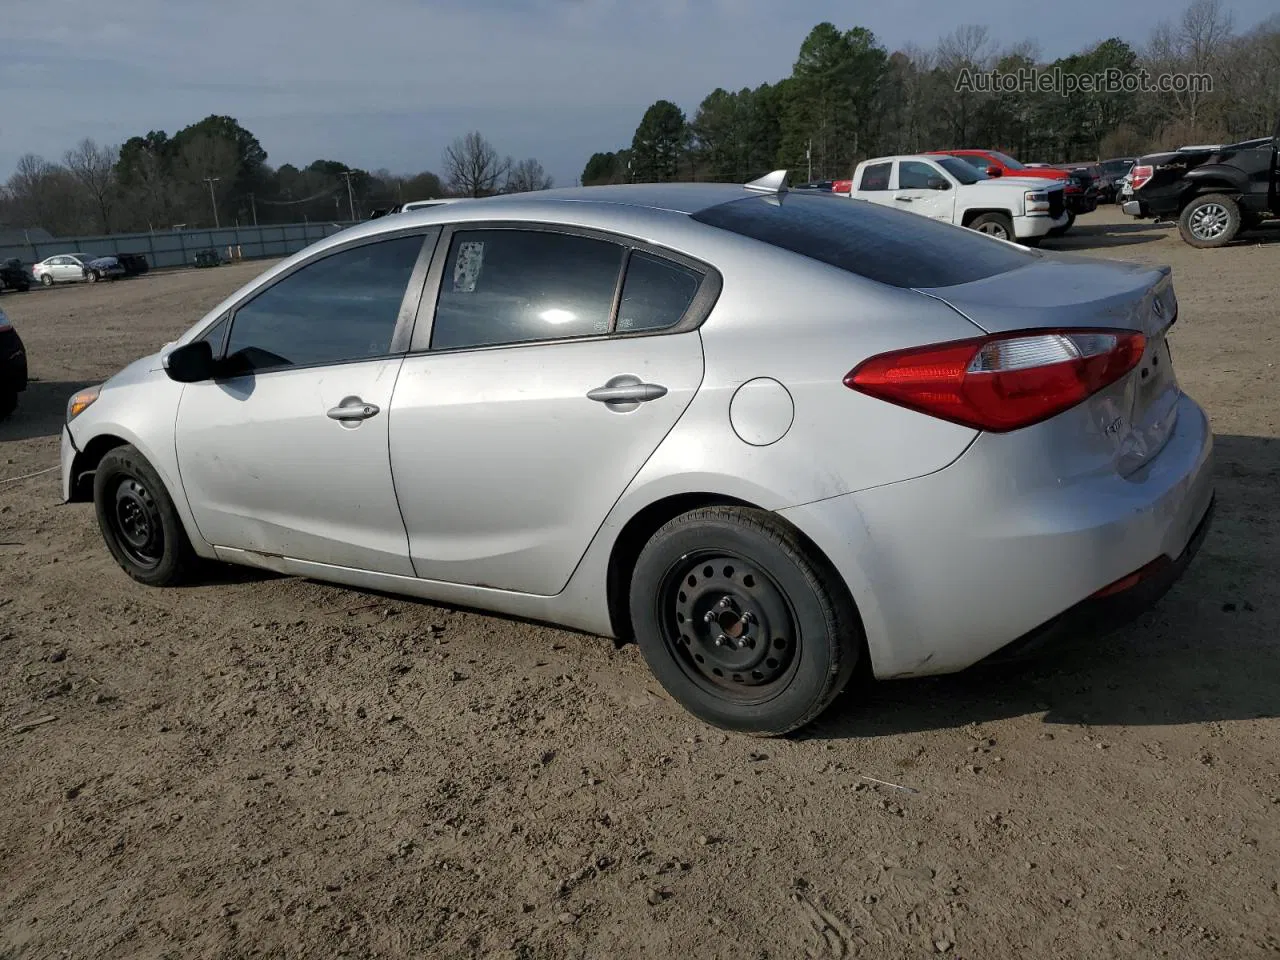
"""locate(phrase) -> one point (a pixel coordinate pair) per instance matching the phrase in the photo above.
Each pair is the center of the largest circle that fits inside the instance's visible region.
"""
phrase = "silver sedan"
(772, 437)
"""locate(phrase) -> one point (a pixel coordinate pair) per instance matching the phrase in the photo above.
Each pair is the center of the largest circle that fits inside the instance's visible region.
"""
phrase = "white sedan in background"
(74, 267)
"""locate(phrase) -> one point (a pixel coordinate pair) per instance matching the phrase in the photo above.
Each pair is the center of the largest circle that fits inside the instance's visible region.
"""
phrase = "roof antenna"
(775, 182)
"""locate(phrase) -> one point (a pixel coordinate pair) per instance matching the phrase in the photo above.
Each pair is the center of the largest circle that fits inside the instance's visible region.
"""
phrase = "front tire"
(741, 622)
(996, 225)
(1212, 220)
(139, 522)
(46, 279)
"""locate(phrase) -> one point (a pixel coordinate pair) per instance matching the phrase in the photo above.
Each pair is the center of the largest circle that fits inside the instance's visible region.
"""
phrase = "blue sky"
(388, 83)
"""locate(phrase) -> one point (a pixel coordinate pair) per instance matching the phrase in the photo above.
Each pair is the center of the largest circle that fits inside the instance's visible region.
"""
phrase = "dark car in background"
(13, 366)
(14, 276)
(1115, 170)
(134, 264)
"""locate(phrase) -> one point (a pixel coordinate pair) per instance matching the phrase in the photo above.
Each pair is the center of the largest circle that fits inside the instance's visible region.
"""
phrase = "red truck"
(993, 163)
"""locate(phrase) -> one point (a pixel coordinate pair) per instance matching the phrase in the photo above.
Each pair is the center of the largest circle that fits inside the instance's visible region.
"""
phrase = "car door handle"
(353, 409)
(903, 199)
(627, 392)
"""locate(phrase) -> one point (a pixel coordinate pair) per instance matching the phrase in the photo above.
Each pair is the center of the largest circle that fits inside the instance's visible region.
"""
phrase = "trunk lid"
(1127, 423)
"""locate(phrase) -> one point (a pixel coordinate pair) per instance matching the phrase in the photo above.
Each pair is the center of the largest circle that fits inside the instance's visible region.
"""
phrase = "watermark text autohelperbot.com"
(1064, 82)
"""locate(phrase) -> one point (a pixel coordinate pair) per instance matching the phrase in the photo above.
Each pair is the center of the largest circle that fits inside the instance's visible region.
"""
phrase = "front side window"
(915, 175)
(518, 286)
(964, 172)
(339, 308)
(656, 293)
(876, 177)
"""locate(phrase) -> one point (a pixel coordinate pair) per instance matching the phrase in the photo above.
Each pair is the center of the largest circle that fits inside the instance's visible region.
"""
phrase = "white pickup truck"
(1022, 209)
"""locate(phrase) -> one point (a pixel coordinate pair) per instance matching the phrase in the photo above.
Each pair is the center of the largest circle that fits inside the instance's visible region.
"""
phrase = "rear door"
(873, 183)
(544, 373)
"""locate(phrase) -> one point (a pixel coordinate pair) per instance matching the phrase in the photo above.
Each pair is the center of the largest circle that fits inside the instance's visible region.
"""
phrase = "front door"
(914, 193)
(286, 454)
(537, 401)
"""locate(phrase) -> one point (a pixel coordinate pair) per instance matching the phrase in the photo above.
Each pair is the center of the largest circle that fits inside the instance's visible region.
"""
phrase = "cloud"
(390, 82)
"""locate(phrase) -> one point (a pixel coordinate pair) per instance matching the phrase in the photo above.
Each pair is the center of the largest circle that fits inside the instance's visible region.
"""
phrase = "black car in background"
(133, 263)
(1114, 170)
(13, 366)
(14, 276)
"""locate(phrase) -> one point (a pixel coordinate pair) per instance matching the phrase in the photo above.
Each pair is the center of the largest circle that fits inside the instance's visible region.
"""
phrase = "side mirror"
(191, 363)
(994, 171)
(938, 183)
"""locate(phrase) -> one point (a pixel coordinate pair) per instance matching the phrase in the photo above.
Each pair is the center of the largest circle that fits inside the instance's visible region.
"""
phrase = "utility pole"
(212, 199)
(808, 155)
(351, 204)
(253, 204)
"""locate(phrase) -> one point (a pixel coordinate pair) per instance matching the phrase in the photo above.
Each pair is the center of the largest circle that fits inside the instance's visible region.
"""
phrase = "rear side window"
(888, 246)
(875, 177)
(517, 286)
(656, 293)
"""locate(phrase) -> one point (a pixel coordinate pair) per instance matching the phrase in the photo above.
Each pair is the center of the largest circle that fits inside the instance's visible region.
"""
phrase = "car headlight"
(1037, 201)
(81, 401)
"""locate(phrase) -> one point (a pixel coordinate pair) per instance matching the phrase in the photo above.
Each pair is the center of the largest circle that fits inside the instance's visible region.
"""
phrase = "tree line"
(849, 98)
(216, 172)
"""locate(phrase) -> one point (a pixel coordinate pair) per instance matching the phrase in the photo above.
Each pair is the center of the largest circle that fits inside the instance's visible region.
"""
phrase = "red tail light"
(1140, 175)
(1003, 382)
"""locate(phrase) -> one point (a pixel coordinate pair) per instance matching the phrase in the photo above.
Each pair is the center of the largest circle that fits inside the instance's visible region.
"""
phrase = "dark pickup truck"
(1213, 192)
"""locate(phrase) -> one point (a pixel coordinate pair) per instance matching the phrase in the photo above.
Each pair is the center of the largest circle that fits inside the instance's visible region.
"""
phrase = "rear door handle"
(353, 410)
(627, 389)
(903, 199)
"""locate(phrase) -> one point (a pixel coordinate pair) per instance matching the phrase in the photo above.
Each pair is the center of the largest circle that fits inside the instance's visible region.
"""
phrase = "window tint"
(875, 177)
(915, 175)
(889, 246)
(343, 307)
(655, 294)
(513, 286)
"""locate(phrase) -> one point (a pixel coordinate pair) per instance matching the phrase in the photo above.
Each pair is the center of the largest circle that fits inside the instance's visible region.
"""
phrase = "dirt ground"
(275, 767)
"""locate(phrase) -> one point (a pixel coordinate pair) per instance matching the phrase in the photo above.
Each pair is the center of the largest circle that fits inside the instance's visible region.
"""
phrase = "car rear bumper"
(1132, 208)
(949, 568)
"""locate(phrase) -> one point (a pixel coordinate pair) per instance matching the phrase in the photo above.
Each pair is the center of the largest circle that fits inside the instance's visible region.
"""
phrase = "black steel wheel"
(742, 622)
(138, 520)
(729, 626)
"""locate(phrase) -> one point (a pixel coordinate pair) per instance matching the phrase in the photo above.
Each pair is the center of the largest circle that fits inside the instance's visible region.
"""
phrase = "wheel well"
(640, 528)
(86, 462)
(1200, 187)
(972, 215)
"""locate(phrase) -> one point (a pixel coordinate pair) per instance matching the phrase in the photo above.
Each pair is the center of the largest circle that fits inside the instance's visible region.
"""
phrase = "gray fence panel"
(176, 248)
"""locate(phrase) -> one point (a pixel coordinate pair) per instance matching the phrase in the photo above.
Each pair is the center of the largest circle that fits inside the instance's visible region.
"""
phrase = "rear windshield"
(888, 246)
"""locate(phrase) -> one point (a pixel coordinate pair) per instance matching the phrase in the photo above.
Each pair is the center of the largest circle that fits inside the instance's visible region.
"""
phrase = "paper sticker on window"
(466, 268)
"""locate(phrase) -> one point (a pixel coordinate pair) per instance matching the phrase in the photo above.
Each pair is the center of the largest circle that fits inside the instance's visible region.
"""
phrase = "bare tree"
(966, 48)
(44, 194)
(473, 166)
(527, 176)
(1194, 45)
(95, 168)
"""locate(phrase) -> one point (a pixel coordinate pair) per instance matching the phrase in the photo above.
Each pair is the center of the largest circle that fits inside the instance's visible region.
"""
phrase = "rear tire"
(741, 622)
(8, 401)
(996, 225)
(139, 522)
(92, 276)
(1211, 220)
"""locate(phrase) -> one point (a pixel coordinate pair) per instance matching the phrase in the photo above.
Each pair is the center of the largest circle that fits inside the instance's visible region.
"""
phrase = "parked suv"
(1213, 192)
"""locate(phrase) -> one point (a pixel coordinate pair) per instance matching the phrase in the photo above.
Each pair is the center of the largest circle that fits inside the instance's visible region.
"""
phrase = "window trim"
(409, 302)
(695, 315)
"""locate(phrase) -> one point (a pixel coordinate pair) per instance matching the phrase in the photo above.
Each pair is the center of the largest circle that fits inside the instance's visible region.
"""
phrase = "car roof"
(687, 198)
